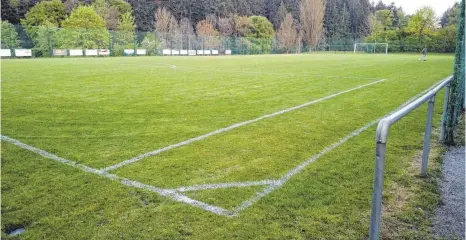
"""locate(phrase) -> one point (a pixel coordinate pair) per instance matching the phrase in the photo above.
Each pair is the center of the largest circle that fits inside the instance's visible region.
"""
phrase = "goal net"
(371, 48)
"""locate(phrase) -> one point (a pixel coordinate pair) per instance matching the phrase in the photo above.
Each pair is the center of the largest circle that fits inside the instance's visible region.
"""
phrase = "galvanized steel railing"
(381, 141)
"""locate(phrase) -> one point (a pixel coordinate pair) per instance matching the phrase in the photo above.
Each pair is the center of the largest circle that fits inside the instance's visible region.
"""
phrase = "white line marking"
(278, 183)
(173, 194)
(299, 168)
(167, 193)
(223, 185)
(236, 125)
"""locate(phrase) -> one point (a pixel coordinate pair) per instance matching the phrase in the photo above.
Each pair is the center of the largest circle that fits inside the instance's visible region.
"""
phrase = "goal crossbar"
(371, 44)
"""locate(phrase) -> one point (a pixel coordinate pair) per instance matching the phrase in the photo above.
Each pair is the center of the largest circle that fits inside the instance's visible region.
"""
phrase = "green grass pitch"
(99, 112)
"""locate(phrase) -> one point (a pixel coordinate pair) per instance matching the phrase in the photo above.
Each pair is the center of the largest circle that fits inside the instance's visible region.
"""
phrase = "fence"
(381, 145)
(43, 40)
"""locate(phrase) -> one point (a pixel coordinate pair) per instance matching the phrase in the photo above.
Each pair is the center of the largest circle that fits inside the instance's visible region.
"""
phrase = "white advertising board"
(141, 51)
(128, 52)
(192, 52)
(206, 52)
(167, 52)
(184, 52)
(104, 52)
(200, 52)
(23, 53)
(214, 52)
(76, 52)
(228, 52)
(5, 53)
(60, 52)
(91, 52)
(175, 52)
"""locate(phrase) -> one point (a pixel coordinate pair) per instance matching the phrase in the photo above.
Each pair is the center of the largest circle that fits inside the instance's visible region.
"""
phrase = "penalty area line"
(236, 125)
(223, 185)
(128, 182)
(280, 182)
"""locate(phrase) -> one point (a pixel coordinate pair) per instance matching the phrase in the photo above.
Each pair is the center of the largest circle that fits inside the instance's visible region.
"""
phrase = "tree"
(445, 39)
(385, 17)
(122, 6)
(226, 26)
(70, 5)
(150, 43)
(187, 32)
(208, 33)
(124, 37)
(44, 41)
(279, 16)
(111, 11)
(8, 12)
(261, 27)
(167, 26)
(143, 12)
(243, 27)
(84, 28)
(422, 23)
(163, 20)
(9, 36)
(450, 16)
(261, 35)
(312, 20)
(373, 24)
(47, 13)
(22, 8)
(287, 34)
(109, 14)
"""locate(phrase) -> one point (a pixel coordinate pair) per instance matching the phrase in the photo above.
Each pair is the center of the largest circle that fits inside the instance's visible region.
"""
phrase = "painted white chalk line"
(236, 125)
(163, 192)
(280, 182)
(174, 193)
(223, 185)
(275, 184)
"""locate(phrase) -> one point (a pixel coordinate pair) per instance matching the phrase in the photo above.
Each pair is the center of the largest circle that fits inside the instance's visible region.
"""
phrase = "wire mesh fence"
(43, 40)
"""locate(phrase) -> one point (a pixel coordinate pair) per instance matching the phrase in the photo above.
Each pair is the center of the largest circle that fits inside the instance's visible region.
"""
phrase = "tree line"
(259, 25)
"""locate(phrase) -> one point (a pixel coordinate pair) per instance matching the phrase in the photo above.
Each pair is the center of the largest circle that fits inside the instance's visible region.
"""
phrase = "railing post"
(444, 114)
(426, 149)
(377, 194)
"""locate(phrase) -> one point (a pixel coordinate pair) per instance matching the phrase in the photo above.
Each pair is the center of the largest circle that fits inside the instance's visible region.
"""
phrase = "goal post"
(371, 48)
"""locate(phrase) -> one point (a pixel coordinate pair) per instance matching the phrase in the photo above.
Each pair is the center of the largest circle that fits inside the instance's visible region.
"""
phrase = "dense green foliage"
(83, 29)
(101, 111)
(9, 35)
(412, 33)
(345, 22)
(46, 13)
(457, 86)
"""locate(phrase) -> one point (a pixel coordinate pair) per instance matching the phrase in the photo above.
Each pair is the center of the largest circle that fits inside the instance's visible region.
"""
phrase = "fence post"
(110, 43)
(378, 187)
(426, 149)
(11, 43)
(135, 42)
(49, 42)
(155, 41)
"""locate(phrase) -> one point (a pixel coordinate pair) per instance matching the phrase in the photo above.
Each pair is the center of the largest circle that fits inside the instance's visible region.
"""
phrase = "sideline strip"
(163, 192)
(236, 125)
(302, 166)
(175, 195)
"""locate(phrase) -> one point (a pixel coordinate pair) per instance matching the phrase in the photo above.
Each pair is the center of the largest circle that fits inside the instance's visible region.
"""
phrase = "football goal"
(371, 48)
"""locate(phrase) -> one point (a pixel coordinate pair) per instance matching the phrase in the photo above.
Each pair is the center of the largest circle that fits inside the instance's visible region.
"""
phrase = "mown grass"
(102, 111)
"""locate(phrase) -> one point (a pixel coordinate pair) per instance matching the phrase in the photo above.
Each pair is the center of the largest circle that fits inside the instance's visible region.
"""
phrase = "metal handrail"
(381, 141)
